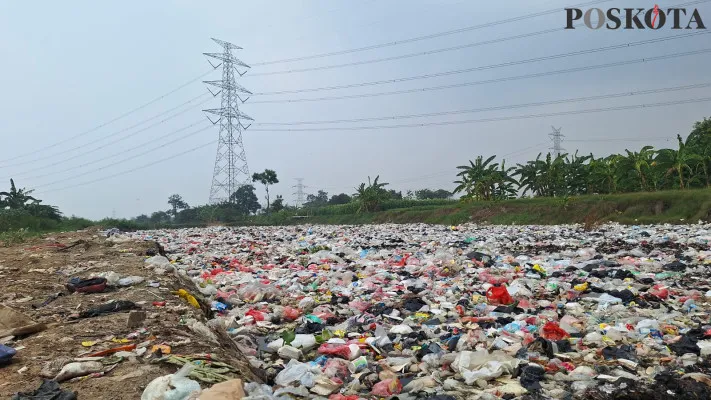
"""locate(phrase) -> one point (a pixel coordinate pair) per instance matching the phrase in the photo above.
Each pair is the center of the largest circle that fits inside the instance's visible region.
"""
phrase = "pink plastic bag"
(388, 387)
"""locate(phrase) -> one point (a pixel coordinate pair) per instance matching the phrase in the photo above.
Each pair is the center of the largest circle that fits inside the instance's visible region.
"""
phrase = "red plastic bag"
(499, 295)
(333, 349)
(291, 314)
(552, 331)
(257, 315)
(387, 388)
(660, 291)
(338, 396)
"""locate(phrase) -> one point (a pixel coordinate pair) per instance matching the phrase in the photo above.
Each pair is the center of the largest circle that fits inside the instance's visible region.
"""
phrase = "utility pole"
(231, 170)
(299, 192)
(557, 138)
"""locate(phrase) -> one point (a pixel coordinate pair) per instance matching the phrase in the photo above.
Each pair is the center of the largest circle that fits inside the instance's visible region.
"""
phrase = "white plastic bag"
(176, 386)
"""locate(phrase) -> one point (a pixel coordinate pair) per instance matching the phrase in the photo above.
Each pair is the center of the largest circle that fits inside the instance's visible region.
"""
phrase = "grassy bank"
(674, 207)
(630, 208)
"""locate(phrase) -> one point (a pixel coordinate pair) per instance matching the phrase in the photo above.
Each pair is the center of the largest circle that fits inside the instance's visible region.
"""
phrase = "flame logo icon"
(656, 14)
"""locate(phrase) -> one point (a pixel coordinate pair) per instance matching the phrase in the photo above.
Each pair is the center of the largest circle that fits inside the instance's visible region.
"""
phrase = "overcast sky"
(71, 66)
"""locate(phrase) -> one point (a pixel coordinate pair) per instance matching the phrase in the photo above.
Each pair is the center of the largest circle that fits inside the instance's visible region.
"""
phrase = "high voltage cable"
(484, 67)
(119, 139)
(426, 37)
(474, 83)
(341, 52)
(589, 98)
(425, 124)
(325, 67)
(183, 153)
(496, 108)
(128, 158)
(167, 135)
(115, 119)
(133, 169)
(198, 122)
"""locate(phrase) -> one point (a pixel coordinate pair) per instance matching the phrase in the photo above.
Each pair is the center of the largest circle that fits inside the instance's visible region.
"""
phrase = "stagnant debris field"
(359, 312)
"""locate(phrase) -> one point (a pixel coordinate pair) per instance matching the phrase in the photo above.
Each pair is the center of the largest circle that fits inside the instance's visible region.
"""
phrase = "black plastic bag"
(108, 308)
(48, 390)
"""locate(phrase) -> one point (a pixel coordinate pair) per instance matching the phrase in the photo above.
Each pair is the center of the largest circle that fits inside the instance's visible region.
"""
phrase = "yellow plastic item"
(88, 343)
(538, 268)
(188, 297)
(119, 340)
(581, 287)
(340, 333)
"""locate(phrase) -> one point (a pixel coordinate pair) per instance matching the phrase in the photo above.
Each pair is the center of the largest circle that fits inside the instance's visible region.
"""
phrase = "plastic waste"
(176, 386)
(48, 390)
(72, 370)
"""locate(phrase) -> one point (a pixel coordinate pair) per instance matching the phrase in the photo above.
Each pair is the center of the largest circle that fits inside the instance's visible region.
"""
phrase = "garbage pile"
(433, 312)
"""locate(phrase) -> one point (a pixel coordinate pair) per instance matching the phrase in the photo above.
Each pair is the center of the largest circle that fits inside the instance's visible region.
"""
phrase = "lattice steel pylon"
(557, 138)
(299, 192)
(231, 170)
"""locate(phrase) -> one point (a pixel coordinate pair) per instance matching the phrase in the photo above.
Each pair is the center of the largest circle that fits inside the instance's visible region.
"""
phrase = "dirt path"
(34, 271)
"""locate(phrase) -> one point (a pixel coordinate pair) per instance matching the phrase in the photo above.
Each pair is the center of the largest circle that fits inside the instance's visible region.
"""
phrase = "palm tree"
(639, 162)
(371, 196)
(478, 179)
(603, 173)
(16, 198)
(678, 161)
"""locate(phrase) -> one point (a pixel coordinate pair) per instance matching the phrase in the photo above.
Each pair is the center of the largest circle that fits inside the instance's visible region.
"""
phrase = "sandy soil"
(33, 271)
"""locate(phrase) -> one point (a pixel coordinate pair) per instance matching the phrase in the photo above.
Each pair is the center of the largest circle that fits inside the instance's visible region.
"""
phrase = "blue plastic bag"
(6, 354)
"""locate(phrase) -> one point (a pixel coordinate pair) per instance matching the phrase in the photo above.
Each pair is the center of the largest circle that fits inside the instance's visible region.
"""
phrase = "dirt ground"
(33, 271)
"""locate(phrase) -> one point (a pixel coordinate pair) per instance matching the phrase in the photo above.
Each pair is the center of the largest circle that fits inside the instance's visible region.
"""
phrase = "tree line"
(685, 166)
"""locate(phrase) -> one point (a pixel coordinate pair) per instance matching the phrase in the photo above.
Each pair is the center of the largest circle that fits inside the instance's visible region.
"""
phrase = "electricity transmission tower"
(231, 170)
(557, 138)
(299, 192)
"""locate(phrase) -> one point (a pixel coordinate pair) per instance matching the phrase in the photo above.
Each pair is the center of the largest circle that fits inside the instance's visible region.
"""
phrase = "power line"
(496, 80)
(605, 48)
(74, 157)
(114, 119)
(121, 138)
(425, 37)
(128, 158)
(132, 169)
(495, 108)
(471, 121)
(481, 68)
(162, 145)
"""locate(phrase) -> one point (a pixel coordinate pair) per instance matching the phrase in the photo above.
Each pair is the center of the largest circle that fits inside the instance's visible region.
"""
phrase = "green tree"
(278, 204)
(339, 199)
(244, 200)
(678, 161)
(603, 174)
(394, 194)
(160, 217)
(266, 178)
(176, 203)
(16, 198)
(428, 194)
(372, 195)
(639, 163)
(320, 199)
(699, 140)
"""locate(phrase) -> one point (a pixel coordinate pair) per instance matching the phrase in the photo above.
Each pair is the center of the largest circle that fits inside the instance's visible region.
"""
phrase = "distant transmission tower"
(231, 170)
(299, 192)
(557, 138)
